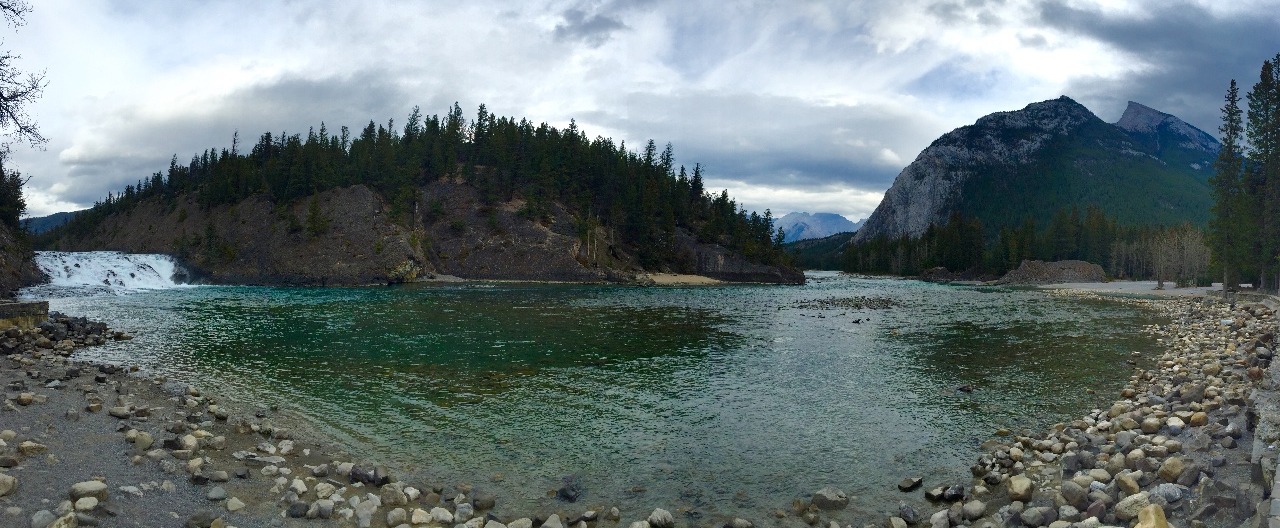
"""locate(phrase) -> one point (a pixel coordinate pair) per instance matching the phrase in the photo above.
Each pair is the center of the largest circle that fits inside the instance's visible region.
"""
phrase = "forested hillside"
(643, 199)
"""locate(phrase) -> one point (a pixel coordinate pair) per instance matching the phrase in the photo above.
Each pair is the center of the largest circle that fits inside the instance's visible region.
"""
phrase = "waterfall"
(96, 272)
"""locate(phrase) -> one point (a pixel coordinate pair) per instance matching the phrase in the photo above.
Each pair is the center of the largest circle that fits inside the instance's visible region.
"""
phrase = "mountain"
(803, 226)
(39, 224)
(1147, 168)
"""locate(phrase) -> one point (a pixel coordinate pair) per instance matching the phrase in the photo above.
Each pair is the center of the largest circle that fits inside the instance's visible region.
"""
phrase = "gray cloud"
(289, 105)
(591, 28)
(1190, 54)
(775, 140)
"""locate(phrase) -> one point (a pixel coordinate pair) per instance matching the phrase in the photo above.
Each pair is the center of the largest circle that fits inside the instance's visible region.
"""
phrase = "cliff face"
(16, 267)
(347, 236)
(1148, 168)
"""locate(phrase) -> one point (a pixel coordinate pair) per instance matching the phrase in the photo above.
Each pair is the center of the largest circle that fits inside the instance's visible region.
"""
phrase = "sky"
(791, 105)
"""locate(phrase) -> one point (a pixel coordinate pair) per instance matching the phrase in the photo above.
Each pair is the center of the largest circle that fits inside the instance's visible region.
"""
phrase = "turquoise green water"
(723, 400)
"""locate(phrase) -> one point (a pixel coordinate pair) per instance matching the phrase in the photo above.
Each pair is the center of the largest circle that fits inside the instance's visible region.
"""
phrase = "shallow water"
(723, 400)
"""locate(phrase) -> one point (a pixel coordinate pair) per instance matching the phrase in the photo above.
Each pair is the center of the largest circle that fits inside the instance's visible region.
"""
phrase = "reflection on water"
(722, 400)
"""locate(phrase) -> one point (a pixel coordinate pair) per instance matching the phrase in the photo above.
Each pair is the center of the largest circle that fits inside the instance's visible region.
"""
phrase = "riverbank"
(1190, 442)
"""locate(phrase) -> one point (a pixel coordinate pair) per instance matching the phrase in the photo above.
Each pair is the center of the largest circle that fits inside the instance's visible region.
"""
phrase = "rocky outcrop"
(17, 269)
(340, 236)
(1040, 272)
(1009, 166)
(351, 236)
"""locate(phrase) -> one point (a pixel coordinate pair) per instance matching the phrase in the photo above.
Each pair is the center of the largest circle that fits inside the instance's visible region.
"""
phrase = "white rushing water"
(107, 272)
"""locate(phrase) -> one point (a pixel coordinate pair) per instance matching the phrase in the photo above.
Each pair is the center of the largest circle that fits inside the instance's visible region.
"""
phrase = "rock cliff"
(1149, 167)
(16, 267)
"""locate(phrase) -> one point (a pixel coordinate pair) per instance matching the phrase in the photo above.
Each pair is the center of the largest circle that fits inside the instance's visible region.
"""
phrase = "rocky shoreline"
(1190, 442)
(1187, 444)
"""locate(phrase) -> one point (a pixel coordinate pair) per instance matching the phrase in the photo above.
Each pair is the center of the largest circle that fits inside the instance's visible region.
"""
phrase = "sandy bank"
(677, 279)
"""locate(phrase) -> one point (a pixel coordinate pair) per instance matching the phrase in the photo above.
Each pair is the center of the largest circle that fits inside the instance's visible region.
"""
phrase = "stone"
(973, 510)
(1152, 517)
(89, 488)
(1151, 425)
(216, 494)
(1199, 419)
(143, 441)
(7, 484)
(523, 522)
(120, 412)
(29, 448)
(324, 489)
(1127, 483)
(463, 512)
(42, 519)
(297, 510)
(910, 484)
(825, 499)
(1020, 488)
(1074, 493)
(738, 522)
(1129, 507)
(553, 522)
(397, 516)
(495, 524)
(908, 513)
(445, 517)
(1039, 516)
(85, 504)
(234, 504)
(419, 516)
(896, 522)
(939, 519)
(324, 508)
(661, 518)
(1171, 469)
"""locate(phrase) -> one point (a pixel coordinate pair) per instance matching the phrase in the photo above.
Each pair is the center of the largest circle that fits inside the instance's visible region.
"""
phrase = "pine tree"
(1227, 234)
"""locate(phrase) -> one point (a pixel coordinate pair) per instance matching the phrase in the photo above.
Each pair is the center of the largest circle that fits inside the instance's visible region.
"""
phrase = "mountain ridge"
(799, 225)
(1013, 165)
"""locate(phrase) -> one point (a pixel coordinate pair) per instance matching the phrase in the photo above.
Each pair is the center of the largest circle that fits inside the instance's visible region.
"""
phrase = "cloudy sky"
(792, 105)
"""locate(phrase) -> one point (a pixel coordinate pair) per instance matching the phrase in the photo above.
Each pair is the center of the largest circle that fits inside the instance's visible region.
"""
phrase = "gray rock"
(42, 519)
(1074, 494)
(441, 516)
(974, 510)
(553, 522)
(397, 516)
(1129, 507)
(661, 518)
(910, 483)
(217, 493)
(463, 512)
(827, 499)
(1170, 492)
(1039, 516)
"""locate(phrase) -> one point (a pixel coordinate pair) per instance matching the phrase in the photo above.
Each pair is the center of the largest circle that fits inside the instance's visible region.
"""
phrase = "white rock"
(441, 515)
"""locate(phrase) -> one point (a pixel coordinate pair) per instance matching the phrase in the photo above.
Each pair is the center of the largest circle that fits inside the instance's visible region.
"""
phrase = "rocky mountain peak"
(1143, 120)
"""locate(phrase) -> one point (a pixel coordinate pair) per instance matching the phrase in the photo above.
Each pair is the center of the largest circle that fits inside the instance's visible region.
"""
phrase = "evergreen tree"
(1226, 225)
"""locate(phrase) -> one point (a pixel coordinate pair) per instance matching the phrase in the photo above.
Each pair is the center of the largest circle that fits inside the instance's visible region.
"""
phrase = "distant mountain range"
(39, 224)
(1147, 168)
(805, 226)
